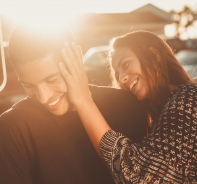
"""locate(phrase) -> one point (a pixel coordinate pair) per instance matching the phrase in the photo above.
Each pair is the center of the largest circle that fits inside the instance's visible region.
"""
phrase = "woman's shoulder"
(185, 90)
(182, 98)
(188, 86)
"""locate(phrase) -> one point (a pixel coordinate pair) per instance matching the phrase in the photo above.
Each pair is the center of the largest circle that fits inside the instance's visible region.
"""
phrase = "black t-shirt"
(37, 147)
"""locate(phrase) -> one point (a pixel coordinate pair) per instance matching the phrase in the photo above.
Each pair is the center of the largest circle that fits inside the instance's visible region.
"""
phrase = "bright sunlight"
(31, 12)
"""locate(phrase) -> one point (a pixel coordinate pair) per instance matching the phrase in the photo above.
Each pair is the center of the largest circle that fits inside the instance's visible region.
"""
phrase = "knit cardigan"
(168, 154)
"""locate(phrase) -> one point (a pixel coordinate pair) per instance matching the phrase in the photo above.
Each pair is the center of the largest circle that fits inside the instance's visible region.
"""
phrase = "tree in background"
(183, 20)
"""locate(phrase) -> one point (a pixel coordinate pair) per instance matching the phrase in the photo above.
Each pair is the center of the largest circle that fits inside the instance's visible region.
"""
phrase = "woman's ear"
(156, 53)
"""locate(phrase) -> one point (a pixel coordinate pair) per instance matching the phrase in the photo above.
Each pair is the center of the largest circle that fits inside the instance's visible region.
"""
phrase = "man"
(42, 140)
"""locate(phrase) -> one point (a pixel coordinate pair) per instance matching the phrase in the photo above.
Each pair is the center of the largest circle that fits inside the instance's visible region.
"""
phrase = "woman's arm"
(167, 155)
(74, 74)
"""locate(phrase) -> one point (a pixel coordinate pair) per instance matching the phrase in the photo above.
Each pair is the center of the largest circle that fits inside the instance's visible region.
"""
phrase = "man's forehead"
(27, 42)
(37, 70)
(52, 56)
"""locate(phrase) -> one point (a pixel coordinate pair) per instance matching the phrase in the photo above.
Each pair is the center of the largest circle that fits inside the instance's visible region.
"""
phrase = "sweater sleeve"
(167, 155)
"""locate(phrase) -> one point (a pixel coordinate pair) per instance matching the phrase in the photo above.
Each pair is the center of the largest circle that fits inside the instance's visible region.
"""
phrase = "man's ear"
(156, 53)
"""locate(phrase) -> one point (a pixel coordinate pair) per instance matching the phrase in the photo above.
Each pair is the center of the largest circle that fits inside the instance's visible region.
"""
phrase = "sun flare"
(31, 12)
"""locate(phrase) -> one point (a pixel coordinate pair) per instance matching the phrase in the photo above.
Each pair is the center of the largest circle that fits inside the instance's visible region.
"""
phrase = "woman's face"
(128, 72)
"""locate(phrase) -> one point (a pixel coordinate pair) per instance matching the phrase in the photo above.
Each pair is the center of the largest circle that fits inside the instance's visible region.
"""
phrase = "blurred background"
(93, 23)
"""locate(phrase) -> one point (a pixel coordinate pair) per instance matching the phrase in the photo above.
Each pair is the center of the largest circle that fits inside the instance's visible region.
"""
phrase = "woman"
(146, 66)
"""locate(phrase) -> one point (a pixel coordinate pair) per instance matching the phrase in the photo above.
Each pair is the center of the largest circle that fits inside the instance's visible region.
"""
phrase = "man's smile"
(54, 102)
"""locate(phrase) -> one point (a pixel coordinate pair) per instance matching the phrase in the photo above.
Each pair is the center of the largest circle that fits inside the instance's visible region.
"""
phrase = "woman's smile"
(130, 76)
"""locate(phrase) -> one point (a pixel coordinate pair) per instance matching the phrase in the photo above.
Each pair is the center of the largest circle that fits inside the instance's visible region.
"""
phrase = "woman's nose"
(123, 78)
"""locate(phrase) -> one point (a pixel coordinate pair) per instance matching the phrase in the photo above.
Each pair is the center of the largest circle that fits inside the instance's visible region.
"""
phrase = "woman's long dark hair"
(160, 75)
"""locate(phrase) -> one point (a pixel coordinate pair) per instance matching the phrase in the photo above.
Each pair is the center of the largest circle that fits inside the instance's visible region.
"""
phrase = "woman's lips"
(133, 84)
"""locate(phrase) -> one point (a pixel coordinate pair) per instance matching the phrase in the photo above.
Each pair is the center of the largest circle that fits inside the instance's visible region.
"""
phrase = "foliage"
(182, 19)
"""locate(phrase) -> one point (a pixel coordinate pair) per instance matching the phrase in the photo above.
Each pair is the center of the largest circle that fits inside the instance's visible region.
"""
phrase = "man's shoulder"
(117, 100)
(110, 93)
(95, 88)
(20, 109)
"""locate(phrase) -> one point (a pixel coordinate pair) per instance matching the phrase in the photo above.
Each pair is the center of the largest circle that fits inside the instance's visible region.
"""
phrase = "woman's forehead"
(120, 53)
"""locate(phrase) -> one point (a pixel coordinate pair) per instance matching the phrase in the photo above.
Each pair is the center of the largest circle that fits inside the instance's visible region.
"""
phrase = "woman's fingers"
(68, 61)
(64, 72)
(73, 72)
(73, 58)
(80, 56)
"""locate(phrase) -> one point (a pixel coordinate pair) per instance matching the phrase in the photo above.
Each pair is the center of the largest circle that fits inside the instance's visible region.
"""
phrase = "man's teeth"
(132, 85)
(54, 102)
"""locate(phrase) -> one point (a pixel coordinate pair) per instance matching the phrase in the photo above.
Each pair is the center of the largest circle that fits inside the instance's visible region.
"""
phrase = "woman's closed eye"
(125, 64)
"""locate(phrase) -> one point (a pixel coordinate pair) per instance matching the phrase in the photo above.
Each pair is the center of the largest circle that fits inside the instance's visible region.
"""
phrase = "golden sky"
(77, 6)
(68, 10)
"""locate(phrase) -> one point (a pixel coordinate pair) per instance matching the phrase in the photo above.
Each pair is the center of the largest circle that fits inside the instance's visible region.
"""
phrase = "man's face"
(43, 82)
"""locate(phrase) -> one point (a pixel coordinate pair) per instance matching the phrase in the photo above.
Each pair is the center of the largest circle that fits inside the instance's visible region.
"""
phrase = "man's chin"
(61, 110)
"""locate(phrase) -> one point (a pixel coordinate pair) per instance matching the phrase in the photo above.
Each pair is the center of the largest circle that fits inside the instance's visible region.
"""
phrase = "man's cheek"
(63, 85)
(30, 93)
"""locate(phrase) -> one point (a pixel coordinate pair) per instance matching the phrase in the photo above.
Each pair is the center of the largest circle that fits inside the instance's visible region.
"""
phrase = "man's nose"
(43, 94)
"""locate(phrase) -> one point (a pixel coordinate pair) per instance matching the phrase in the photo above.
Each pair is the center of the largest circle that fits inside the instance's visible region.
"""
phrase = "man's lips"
(54, 102)
(54, 105)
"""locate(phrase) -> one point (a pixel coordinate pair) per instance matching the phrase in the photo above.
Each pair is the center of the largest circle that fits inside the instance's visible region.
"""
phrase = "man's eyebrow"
(52, 75)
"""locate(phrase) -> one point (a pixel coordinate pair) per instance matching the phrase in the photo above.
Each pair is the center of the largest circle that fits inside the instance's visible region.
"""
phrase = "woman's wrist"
(87, 102)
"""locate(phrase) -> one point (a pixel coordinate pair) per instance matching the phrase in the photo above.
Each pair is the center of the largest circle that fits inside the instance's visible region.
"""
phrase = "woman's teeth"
(133, 84)
(54, 102)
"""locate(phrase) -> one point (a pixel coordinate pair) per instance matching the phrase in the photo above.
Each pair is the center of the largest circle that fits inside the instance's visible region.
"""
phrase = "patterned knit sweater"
(168, 154)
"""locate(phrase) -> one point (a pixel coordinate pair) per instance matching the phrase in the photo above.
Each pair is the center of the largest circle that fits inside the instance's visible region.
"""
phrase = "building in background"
(97, 29)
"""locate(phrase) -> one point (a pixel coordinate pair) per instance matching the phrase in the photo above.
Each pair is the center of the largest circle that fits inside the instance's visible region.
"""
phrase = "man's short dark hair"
(28, 43)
